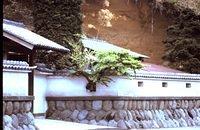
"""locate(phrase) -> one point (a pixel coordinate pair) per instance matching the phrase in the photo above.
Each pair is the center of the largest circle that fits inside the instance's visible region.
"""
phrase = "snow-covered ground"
(47, 124)
(182, 128)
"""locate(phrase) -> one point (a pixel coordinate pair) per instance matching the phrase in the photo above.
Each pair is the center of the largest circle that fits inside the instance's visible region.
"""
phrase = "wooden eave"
(18, 40)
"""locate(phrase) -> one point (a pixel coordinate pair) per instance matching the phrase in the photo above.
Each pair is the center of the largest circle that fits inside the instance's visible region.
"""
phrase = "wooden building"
(19, 46)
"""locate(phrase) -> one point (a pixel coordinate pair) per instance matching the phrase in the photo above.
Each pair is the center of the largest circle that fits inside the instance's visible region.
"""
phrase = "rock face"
(65, 114)
(74, 115)
(70, 105)
(118, 105)
(100, 115)
(4, 107)
(91, 115)
(130, 114)
(92, 122)
(121, 124)
(17, 115)
(88, 105)
(107, 105)
(112, 123)
(80, 105)
(97, 105)
(27, 106)
(82, 115)
(103, 122)
(52, 105)
(16, 106)
(15, 121)
(60, 105)
(9, 108)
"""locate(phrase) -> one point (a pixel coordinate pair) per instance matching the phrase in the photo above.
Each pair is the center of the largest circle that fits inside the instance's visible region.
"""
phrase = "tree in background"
(20, 11)
(57, 20)
(183, 39)
(54, 19)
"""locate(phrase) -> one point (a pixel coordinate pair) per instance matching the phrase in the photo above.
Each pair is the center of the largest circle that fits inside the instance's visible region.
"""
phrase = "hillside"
(134, 26)
(168, 29)
(191, 4)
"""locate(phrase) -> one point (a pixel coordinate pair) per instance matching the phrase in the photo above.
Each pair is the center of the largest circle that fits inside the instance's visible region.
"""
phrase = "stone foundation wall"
(127, 112)
(17, 113)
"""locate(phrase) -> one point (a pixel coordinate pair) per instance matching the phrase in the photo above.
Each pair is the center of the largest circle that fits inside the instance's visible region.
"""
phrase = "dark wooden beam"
(18, 98)
(31, 77)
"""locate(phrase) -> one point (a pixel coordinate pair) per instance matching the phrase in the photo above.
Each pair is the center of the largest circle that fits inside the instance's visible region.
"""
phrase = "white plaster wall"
(15, 83)
(154, 88)
(67, 86)
(40, 88)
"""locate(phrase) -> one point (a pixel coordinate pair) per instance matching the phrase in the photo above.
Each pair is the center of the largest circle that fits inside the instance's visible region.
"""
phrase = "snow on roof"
(100, 45)
(10, 30)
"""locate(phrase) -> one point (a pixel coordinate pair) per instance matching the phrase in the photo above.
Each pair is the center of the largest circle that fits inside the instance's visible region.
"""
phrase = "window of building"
(188, 85)
(164, 84)
(140, 83)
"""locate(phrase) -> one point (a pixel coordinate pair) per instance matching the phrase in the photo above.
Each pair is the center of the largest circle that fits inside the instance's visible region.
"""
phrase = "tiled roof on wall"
(17, 65)
(165, 75)
(42, 68)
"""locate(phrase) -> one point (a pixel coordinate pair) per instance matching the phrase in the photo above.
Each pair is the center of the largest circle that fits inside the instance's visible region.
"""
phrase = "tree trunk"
(91, 86)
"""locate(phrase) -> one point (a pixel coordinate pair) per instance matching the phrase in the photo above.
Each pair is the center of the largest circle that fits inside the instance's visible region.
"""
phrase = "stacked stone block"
(17, 115)
(128, 113)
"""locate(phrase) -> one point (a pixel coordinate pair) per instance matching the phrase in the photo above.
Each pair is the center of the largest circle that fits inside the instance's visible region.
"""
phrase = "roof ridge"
(166, 75)
(13, 62)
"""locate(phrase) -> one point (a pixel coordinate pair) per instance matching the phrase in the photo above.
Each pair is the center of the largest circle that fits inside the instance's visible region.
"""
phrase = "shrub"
(96, 67)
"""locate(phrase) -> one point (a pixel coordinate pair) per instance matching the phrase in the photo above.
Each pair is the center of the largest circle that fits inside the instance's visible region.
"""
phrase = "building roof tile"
(31, 38)
(100, 45)
(17, 65)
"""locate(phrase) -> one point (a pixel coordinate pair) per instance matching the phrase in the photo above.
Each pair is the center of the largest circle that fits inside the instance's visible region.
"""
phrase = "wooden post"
(31, 77)
(5, 52)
